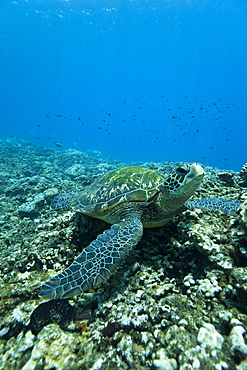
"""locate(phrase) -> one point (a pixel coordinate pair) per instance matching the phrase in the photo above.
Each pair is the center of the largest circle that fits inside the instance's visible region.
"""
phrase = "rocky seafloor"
(178, 302)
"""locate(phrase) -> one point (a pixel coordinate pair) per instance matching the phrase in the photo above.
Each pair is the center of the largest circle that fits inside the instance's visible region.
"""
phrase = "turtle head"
(183, 182)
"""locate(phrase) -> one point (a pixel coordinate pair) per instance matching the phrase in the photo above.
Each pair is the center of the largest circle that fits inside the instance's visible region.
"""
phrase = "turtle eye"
(182, 170)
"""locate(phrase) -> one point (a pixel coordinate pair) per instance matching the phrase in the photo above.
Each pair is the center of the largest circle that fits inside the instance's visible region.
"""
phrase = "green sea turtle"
(130, 198)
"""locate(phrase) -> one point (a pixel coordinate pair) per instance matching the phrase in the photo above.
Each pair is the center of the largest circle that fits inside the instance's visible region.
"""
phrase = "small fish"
(59, 145)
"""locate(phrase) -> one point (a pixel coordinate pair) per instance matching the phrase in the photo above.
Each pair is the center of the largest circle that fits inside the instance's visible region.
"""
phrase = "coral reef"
(243, 176)
(179, 301)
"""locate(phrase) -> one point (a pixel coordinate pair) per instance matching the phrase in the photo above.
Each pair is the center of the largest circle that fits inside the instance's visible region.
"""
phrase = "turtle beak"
(197, 172)
(191, 171)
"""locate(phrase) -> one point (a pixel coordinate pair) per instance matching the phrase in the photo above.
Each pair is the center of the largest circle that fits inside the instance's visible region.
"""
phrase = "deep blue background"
(148, 80)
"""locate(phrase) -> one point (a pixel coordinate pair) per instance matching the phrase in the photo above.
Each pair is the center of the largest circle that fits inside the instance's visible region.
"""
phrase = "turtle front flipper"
(63, 201)
(97, 262)
(228, 206)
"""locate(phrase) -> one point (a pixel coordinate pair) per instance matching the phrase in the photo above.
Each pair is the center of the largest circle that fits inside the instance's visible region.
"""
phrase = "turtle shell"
(126, 184)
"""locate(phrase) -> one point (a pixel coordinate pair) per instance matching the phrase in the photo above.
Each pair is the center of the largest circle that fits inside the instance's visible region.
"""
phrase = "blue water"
(136, 80)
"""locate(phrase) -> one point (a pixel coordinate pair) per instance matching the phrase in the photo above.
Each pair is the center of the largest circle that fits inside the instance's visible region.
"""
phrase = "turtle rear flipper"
(63, 201)
(228, 206)
(97, 262)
